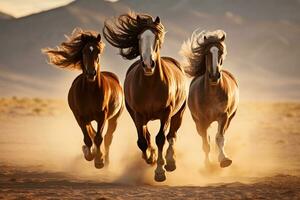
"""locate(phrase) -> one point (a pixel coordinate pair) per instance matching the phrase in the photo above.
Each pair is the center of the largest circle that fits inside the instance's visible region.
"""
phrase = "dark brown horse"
(213, 94)
(154, 86)
(94, 95)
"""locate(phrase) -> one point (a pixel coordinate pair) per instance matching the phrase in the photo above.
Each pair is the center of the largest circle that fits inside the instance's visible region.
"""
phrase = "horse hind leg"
(112, 125)
(151, 155)
(175, 124)
(220, 141)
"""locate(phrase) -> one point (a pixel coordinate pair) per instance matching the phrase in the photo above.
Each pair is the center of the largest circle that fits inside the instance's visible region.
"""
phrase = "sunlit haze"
(19, 8)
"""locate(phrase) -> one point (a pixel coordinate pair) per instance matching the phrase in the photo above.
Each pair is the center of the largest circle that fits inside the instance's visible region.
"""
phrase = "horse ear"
(157, 20)
(223, 37)
(99, 37)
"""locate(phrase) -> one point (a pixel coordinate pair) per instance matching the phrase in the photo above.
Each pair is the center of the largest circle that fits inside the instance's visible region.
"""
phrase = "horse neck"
(159, 68)
(99, 77)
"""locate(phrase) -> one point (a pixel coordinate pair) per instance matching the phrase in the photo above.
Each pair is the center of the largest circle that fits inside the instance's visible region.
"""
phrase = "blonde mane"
(196, 47)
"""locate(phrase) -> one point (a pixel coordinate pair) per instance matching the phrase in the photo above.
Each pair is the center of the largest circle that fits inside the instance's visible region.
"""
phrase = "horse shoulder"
(78, 78)
(112, 93)
(232, 94)
(230, 76)
(173, 61)
(111, 75)
(74, 92)
(132, 66)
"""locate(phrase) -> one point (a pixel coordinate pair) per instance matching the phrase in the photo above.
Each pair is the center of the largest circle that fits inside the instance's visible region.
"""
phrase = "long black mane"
(123, 32)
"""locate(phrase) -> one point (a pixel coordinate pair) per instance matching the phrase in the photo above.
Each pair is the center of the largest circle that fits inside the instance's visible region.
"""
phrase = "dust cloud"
(53, 143)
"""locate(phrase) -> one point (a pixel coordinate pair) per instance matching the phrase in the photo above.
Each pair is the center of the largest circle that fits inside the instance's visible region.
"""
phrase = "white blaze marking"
(91, 48)
(147, 40)
(214, 50)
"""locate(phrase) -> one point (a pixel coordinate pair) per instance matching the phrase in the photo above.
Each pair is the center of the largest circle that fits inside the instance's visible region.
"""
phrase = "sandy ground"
(40, 157)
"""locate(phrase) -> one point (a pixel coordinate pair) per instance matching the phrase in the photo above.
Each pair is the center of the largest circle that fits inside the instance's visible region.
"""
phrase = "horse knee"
(142, 144)
(87, 141)
(160, 140)
(98, 140)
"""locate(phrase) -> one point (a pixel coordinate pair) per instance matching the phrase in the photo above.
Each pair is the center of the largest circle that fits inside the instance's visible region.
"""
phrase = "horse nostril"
(143, 64)
(152, 64)
(91, 73)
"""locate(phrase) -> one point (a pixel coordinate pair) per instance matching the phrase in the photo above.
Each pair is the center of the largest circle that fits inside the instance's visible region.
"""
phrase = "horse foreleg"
(175, 124)
(88, 143)
(98, 161)
(220, 141)
(141, 128)
(151, 155)
(160, 142)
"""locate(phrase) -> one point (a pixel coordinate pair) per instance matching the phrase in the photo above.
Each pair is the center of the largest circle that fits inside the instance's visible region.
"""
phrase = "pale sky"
(19, 8)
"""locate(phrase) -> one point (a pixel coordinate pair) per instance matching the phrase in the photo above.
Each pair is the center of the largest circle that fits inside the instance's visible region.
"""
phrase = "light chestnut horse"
(94, 95)
(154, 86)
(213, 94)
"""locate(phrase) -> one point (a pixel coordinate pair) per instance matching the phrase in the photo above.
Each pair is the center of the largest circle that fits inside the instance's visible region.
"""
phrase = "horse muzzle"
(214, 78)
(91, 75)
(148, 70)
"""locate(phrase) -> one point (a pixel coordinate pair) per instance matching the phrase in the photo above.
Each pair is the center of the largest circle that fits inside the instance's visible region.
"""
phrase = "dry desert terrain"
(41, 158)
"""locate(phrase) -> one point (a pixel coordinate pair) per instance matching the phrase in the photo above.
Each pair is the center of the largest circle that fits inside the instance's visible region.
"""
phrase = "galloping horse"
(213, 94)
(94, 95)
(154, 86)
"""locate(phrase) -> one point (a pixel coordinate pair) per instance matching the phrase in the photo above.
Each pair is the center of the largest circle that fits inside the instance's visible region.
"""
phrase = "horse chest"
(152, 101)
(86, 104)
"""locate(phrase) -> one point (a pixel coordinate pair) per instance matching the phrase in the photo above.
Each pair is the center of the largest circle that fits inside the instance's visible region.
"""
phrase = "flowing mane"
(123, 32)
(69, 54)
(195, 49)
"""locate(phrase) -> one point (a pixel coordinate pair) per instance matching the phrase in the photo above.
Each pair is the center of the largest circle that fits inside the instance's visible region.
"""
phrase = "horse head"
(90, 56)
(149, 47)
(214, 57)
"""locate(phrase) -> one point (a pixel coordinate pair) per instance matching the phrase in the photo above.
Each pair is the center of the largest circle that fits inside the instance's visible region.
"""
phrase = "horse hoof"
(89, 157)
(99, 163)
(171, 166)
(225, 162)
(87, 154)
(160, 177)
(150, 161)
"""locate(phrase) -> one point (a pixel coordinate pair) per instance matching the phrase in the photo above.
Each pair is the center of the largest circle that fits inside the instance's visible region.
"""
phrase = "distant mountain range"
(262, 39)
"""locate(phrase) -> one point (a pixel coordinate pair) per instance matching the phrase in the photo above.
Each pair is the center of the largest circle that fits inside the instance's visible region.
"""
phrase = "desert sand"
(41, 158)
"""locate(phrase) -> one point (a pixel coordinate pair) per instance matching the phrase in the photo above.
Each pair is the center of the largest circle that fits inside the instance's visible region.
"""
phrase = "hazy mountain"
(262, 41)
(4, 16)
